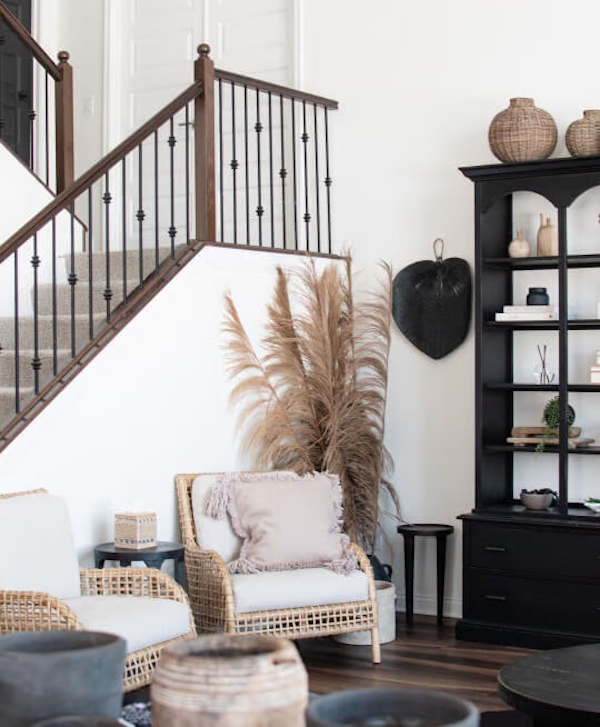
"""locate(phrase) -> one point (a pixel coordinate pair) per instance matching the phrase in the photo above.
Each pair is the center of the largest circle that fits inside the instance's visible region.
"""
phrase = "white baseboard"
(428, 605)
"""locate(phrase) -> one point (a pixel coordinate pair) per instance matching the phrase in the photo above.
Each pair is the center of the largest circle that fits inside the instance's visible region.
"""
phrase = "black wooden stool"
(441, 533)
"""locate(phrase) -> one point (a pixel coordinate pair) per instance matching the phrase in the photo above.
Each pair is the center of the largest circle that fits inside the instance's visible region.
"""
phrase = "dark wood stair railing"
(77, 272)
(56, 172)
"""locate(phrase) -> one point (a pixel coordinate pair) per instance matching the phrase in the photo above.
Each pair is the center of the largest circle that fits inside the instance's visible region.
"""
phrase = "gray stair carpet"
(68, 316)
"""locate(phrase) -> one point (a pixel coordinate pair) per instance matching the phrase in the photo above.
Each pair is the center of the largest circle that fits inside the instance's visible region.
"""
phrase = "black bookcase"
(530, 578)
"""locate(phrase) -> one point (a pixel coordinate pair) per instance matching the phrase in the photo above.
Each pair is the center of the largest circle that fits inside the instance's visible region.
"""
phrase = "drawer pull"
(496, 598)
(496, 549)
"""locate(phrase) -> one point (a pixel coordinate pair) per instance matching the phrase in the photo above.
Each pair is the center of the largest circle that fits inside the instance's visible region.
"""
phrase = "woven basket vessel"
(522, 132)
(230, 680)
(583, 135)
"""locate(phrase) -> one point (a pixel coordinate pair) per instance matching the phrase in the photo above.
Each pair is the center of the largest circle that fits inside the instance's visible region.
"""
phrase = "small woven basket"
(135, 530)
(583, 135)
(522, 132)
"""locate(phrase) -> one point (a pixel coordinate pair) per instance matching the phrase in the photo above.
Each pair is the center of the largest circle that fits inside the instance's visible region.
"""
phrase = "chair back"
(36, 539)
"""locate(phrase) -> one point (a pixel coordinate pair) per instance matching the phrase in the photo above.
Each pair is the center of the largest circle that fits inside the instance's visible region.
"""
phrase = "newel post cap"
(203, 50)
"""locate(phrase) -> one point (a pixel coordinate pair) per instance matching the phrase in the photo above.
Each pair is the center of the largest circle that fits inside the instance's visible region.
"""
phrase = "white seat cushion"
(212, 534)
(35, 536)
(296, 588)
(141, 621)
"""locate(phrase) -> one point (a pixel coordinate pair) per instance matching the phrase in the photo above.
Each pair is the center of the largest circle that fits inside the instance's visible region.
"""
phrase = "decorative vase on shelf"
(519, 247)
(583, 135)
(522, 132)
(537, 296)
(547, 238)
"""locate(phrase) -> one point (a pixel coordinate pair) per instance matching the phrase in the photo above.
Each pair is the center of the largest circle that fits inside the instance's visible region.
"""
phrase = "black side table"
(441, 533)
(152, 557)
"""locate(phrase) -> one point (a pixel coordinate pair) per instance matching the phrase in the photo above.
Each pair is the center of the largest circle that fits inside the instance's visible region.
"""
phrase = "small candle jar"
(538, 296)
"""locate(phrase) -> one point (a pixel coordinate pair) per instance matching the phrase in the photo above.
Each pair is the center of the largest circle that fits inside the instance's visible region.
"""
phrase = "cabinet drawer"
(529, 550)
(551, 605)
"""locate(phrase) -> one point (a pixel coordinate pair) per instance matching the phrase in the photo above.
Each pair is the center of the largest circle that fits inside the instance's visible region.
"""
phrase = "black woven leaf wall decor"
(432, 303)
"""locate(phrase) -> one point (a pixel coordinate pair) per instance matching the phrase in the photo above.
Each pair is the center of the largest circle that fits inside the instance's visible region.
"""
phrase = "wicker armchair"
(212, 594)
(38, 610)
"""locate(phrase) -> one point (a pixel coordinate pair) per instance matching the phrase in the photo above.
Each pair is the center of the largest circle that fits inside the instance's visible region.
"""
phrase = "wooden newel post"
(65, 172)
(204, 137)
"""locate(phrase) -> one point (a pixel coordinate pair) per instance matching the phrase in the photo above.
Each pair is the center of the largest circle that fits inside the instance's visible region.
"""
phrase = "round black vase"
(381, 571)
(538, 296)
(45, 674)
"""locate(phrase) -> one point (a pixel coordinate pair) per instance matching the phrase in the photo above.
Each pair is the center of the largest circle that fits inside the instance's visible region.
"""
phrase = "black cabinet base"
(469, 630)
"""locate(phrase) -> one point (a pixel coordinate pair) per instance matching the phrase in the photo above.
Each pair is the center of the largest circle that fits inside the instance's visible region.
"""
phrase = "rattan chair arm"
(149, 582)
(210, 586)
(35, 611)
(365, 565)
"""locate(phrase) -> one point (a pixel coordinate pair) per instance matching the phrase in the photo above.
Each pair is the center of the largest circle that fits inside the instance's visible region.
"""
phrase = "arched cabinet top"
(560, 181)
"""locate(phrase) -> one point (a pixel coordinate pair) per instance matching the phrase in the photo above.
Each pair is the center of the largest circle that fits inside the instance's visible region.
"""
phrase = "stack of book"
(528, 313)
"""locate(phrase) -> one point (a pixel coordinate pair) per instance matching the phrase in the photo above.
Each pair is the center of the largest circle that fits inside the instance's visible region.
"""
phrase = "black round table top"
(161, 548)
(425, 529)
(558, 685)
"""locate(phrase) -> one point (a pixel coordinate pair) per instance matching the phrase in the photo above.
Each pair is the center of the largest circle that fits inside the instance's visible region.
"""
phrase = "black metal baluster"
(247, 165)
(258, 127)
(187, 174)
(90, 265)
(47, 131)
(17, 339)
(172, 228)
(271, 188)
(31, 116)
(234, 163)
(282, 171)
(36, 362)
(54, 302)
(305, 137)
(107, 199)
(124, 222)
(317, 199)
(72, 278)
(2, 119)
(296, 240)
(156, 210)
(140, 215)
(327, 181)
(221, 201)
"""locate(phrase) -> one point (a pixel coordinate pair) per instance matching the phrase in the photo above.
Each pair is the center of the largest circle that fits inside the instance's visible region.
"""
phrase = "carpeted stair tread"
(81, 261)
(26, 372)
(82, 297)
(46, 331)
(7, 401)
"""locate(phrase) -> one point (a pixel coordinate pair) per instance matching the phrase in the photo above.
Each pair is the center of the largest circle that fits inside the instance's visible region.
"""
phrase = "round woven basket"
(583, 135)
(230, 680)
(522, 132)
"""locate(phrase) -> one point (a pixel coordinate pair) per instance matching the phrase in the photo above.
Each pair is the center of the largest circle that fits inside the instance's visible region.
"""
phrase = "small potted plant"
(551, 418)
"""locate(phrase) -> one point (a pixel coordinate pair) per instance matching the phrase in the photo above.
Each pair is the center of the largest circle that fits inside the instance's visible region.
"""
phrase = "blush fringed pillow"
(286, 521)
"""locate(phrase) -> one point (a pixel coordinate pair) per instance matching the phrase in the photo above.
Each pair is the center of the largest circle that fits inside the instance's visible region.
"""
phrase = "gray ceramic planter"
(392, 708)
(45, 674)
(89, 721)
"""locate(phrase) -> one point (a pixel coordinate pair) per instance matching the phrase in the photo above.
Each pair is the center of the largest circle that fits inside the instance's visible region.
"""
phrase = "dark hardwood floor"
(423, 657)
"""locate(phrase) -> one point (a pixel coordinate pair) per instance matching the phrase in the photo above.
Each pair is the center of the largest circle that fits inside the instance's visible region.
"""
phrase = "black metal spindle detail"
(317, 197)
(90, 264)
(234, 163)
(305, 138)
(327, 181)
(156, 210)
(36, 362)
(107, 199)
(247, 165)
(187, 174)
(271, 185)
(2, 119)
(258, 127)
(295, 174)
(47, 130)
(72, 279)
(54, 302)
(124, 223)
(172, 228)
(282, 170)
(221, 200)
(140, 216)
(17, 337)
(31, 116)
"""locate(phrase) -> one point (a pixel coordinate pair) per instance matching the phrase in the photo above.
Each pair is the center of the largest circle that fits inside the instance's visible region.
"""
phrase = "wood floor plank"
(423, 656)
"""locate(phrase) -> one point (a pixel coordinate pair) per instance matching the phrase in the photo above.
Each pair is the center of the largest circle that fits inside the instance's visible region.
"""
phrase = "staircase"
(80, 269)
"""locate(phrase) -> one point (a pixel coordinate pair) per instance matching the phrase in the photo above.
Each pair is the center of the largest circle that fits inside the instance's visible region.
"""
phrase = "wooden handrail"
(275, 88)
(98, 170)
(25, 37)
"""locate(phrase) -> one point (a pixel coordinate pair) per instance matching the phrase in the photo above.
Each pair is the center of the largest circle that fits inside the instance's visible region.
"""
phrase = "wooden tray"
(574, 442)
(539, 431)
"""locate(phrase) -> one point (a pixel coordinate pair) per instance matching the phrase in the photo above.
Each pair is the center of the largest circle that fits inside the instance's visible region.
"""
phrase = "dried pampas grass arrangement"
(316, 399)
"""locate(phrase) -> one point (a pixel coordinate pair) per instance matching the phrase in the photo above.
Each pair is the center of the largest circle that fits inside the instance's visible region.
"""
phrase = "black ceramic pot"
(90, 721)
(538, 296)
(391, 707)
(381, 571)
(45, 674)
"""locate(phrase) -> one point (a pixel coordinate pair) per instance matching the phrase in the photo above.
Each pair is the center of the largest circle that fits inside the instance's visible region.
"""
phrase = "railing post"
(65, 172)
(204, 138)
